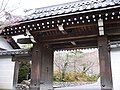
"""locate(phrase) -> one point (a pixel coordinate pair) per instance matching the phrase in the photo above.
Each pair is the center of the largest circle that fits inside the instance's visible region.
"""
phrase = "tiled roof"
(1, 48)
(14, 52)
(68, 8)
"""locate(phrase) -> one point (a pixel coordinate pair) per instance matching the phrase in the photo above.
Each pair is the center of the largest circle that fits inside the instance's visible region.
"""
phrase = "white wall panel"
(115, 60)
(6, 72)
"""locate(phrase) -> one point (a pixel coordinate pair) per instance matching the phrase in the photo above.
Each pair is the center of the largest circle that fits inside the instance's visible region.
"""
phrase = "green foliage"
(86, 78)
(23, 71)
(57, 76)
(75, 66)
(92, 78)
(69, 77)
(75, 77)
(27, 46)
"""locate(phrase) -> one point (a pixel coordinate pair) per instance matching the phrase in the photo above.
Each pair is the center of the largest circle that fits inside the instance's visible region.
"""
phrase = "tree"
(86, 66)
(75, 65)
(61, 63)
(23, 71)
(90, 63)
(6, 18)
(66, 62)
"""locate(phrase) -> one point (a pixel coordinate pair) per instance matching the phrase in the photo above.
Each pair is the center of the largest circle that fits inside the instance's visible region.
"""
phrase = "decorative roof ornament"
(101, 27)
(30, 36)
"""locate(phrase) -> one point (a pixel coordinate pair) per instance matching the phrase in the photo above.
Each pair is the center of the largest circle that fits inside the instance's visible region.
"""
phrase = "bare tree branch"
(1, 16)
(1, 4)
(6, 17)
(4, 6)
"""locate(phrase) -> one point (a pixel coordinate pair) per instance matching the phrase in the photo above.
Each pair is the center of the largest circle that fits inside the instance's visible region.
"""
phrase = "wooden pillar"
(105, 64)
(46, 69)
(42, 68)
(16, 71)
(35, 72)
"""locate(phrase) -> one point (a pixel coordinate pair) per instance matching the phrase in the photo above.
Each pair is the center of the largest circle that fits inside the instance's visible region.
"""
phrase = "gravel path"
(94, 86)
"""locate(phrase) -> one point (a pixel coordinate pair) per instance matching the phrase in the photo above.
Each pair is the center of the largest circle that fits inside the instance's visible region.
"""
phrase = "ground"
(95, 86)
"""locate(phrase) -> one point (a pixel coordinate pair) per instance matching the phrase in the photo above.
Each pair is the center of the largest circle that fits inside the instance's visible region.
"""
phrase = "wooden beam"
(21, 58)
(68, 41)
(75, 47)
(83, 45)
(67, 27)
(24, 41)
(112, 28)
(105, 64)
(60, 27)
(114, 38)
(113, 31)
(69, 36)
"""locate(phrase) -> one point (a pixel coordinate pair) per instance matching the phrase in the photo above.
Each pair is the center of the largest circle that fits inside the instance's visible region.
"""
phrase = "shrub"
(57, 76)
(24, 69)
(74, 77)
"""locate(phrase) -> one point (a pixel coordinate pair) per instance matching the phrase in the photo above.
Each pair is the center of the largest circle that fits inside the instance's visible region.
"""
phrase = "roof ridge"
(68, 8)
(44, 7)
(59, 6)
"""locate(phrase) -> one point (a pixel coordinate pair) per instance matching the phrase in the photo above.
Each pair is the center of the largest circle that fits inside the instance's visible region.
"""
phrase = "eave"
(81, 27)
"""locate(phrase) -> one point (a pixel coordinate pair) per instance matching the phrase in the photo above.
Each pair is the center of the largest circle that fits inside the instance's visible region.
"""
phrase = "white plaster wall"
(115, 61)
(6, 72)
(6, 67)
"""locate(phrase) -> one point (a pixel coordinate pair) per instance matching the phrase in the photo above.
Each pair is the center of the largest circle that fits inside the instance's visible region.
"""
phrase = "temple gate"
(75, 25)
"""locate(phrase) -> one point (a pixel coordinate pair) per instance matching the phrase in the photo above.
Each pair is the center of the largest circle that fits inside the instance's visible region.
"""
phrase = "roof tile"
(72, 7)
